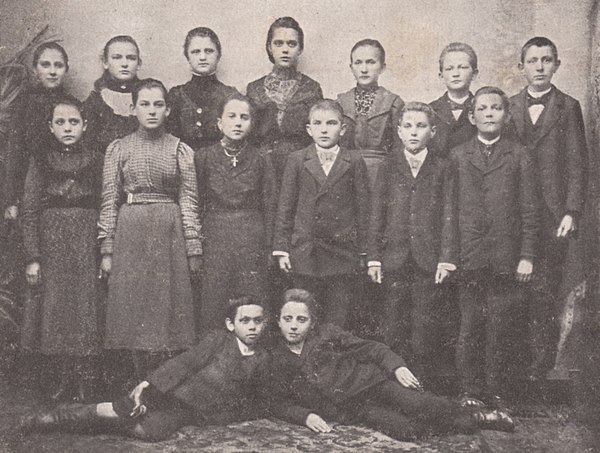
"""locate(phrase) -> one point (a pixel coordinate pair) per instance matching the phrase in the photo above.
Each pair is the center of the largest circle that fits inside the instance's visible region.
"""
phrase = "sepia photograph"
(299, 226)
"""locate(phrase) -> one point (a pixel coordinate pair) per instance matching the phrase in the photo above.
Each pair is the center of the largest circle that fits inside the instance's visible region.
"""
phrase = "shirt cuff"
(281, 253)
(446, 266)
(373, 263)
(106, 248)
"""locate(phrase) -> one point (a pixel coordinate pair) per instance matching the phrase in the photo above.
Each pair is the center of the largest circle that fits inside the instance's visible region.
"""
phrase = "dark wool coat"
(450, 132)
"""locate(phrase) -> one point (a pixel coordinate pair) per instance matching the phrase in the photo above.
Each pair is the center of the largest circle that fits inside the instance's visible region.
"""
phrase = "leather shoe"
(495, 420)
(70, 416)
(466, 399)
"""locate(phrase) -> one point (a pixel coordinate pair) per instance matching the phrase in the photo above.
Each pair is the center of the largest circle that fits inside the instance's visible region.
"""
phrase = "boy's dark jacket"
(414, 216)
(334, 367)
(213, 377)
(559, 152)
(322, 220)
(450, 132)
(498, 205)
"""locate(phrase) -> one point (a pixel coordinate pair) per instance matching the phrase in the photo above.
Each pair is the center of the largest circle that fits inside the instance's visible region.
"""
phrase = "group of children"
(476, 188)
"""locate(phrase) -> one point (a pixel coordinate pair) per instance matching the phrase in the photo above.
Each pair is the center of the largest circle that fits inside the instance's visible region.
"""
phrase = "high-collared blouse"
(148, 167)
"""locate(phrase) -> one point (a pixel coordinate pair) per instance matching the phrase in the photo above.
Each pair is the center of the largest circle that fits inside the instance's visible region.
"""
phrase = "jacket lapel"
(340, 166)
(551, 114)
(313, 165)
(346, 100)
(381, 104)
(497, 159)
(475, 157)
(518, 111)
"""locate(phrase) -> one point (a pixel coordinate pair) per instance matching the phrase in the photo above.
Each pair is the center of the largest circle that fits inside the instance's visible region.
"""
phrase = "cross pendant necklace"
(234, 157)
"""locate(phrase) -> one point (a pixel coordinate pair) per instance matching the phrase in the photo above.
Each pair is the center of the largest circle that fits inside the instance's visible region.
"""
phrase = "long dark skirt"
(62, 318)
(234, 262)
(149, 305)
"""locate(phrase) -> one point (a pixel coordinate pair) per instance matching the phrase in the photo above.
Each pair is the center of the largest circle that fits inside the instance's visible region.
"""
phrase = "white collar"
(458, 100)
(420, 156)
(243, 347)
(538, 94)
(334, 149)
(487, 142)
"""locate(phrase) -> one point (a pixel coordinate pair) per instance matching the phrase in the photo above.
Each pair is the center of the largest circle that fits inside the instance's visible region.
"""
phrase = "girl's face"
(67, 125)
(203, 55)
(122, 61)
(366, 66)
(236, 120)
(285, 47)
(51, 68)
(151, 108)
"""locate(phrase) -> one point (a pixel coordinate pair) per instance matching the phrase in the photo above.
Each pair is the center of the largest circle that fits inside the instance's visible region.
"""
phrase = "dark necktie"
(542, 100)
(487, 150)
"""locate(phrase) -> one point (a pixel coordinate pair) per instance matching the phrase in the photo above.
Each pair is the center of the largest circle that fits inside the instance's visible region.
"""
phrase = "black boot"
(71, 417)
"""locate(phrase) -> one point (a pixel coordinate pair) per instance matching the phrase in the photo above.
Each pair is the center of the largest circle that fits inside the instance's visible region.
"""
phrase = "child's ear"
(433, 130)
(132, 109)
(229, 325)
(475, 74)
(471, 118)
(308, 130)
(521, 66)
(84, 125)
(220, 124)
(398, 130)
(343, 129)
(168, 111)
(557, 65)
(50, 126)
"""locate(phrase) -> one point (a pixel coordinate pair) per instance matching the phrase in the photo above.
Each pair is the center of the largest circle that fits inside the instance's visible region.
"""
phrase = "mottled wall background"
(413, 33)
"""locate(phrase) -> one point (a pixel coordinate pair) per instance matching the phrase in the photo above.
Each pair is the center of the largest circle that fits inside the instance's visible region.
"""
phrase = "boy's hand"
(11, 213)
(375, 274)
(284, 263)
(105, 267)
(406, 378)
(136, 396)
(32, 273)
(317, 424)
(524, 270)
(441, 275)
(566, 227)
(195, 265)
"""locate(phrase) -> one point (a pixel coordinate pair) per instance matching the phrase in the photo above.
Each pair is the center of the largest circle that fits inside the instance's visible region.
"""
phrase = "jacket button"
(198, 123)
(198, 110)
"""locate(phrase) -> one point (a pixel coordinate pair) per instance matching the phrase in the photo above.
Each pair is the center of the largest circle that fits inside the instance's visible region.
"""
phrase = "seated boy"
(213, 382)
(498, 228)
(323, 374)
(321, 223)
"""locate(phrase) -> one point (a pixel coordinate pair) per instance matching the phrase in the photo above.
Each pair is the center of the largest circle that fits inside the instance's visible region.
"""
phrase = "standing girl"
(283, 97)
(108, 105)
(149, 232)
(60, 212)
(236, 187)
(195, 105)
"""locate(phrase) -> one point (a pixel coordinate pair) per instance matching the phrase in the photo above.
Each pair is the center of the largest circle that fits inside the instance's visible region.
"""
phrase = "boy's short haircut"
(327, 105)
(539, 41)
(459, 47)
(300, 296)
(66, 99)
(491, 90)
(372, 43)
(416, 106)
(234, 303)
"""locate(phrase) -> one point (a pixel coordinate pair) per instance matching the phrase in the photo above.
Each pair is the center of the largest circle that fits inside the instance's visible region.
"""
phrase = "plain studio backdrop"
(412, 32)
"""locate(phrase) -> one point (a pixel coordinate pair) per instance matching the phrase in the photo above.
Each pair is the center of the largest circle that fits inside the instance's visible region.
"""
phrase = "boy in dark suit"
(458, 69)
(321, 223)
(413, 242)
(498, 228)
(550, 124)
(213, 382)
(323, 374)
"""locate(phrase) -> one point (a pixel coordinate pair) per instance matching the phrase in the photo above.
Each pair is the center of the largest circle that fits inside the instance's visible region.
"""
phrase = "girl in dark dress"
(283, 97)
(236, 189)
(195, 105)
(149, 232)
(30, 131)
(107, 107)
(60, 212)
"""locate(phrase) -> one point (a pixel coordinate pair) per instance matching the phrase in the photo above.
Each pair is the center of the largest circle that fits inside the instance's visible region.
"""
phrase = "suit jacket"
(377, 129)
(213, 377)
(558, 148)
(333, 368)
(498, 205)
(450, 131)
(414, 216)
(322, 220)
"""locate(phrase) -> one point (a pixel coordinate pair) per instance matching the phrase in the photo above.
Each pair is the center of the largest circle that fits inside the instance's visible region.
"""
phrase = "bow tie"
(414, 163)
(456, 105)
(542, 100)
(327, 156)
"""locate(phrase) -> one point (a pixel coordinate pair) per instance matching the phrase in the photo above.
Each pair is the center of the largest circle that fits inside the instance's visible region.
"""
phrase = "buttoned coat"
(558, 149)
(322, 219)
(451, 132)
(377, 129)
(498, 205)
(414, 216)
(213, 377)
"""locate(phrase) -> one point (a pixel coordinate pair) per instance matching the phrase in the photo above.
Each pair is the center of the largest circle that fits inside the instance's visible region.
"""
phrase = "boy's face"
(366, 66)
(122, 61)
(415, 130)
(151, 108)
(295, 322)
(67, 125)
(457, 72)
(248, 324)
(325, 127)
(489, 115)
(538, 67)
(236, 121)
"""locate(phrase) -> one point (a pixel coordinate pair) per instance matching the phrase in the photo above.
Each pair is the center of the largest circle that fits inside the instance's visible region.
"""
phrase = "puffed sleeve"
(188, 199)
(112, 192)
(31, 211)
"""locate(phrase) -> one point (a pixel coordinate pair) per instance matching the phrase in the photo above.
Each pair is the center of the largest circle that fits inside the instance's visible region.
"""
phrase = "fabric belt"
(146, 198)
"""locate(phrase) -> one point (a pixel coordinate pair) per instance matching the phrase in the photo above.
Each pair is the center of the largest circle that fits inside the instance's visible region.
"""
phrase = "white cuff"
(280, 253)
(446, 266)
(374, 264)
